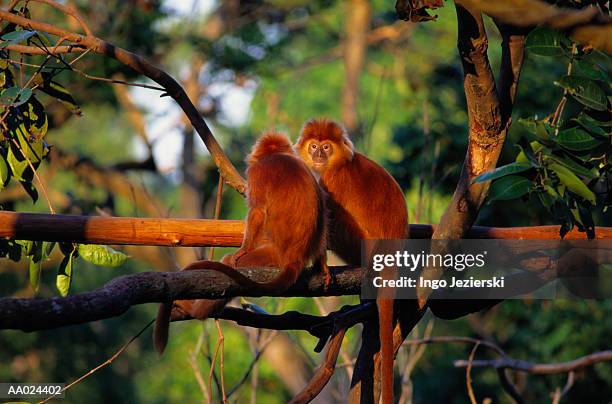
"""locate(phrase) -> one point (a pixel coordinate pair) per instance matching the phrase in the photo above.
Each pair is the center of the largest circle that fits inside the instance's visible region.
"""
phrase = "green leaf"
(4, 173)
(10, 249)
(573, 166)
(592, 125)
(512, 168)
(34, 273)
(585, 91)
(572, 182)
(26, 246)
(15, 96)
(540, 129)
(19, 166)
(34, 149)
(510, 187)
(56, 90)
(528, 150)
(16, 37)
(586, 217)
(64, 275)
(545, 42)
(48, 249)
(35, 119)
(101, 255)
(577, 139)
(37, 251)
(30, 190)
(590, 70)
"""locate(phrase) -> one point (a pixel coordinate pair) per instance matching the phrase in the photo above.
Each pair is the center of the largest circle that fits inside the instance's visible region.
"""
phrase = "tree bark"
(357, 26)
(207, 232)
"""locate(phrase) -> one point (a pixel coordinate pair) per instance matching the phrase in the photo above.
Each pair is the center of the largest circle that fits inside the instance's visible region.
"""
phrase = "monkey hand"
(236, 257)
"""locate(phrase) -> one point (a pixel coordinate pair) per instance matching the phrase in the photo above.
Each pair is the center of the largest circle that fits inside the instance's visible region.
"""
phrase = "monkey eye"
(326, 147)
(313, 146)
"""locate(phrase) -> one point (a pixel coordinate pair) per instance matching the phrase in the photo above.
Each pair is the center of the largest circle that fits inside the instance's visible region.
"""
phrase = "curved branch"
(323, 373)
(540, 368)
(144, 67)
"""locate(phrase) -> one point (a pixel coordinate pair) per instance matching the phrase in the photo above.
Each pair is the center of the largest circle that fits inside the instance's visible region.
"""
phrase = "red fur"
(286, 228)
(365, 202)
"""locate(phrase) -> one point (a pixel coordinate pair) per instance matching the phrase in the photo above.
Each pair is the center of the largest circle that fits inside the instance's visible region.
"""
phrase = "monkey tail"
(162, 327)
(385, 323)
(287, 277)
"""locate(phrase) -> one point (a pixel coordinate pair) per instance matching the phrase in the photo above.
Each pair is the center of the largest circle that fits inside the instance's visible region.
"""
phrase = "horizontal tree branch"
(118, 295)
(539, 368)
(206, 232)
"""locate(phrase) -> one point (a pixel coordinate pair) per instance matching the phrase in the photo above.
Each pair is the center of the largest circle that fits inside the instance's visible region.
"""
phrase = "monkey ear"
(348, 147)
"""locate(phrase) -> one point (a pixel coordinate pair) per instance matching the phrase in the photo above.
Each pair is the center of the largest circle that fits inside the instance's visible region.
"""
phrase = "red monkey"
(286, 228)
(365, 202)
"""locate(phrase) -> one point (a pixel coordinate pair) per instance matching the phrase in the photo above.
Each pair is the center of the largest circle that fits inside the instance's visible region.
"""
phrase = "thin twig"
(222, 359)
(211, 252)
(103, 364)
(115, 81)
(192, 359)
(468, 375)
(259, 351)
(414, 355)
(453, 339)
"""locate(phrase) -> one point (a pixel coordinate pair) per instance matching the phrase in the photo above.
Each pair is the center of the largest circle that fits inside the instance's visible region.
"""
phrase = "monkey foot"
(327, 279)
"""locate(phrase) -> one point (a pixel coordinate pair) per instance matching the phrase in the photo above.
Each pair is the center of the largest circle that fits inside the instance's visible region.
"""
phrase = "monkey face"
(324, 145)
(320, 153)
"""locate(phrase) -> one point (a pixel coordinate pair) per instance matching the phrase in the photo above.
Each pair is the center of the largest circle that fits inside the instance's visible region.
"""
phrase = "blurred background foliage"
(254, 65)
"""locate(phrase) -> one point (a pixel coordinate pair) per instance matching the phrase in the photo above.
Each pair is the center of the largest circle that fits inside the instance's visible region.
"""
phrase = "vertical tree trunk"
(357, 25)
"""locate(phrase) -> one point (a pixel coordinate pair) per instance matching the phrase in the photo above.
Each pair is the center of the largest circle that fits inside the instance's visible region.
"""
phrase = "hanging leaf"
(34, 270)
(18, 167)
(585, 91)
(48, 249)
(593, 126)
(546, 200)
(591, 70)
(30, 190)
(64, 275)
(26, 247)
(586, 217)
(15, 96)
(572, 182)
(16, 37)
(573, 166)
(4, 173)
(57, 91)
(101, 255)
(502, 171)
(10, 249)
(35, 120)
(577, 139)
(510, 187)
(34, 149)
(545, 42)
(528, 150)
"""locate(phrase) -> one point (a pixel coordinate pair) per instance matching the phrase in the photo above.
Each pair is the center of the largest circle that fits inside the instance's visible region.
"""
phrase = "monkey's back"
(293, 202)
(365, 202)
